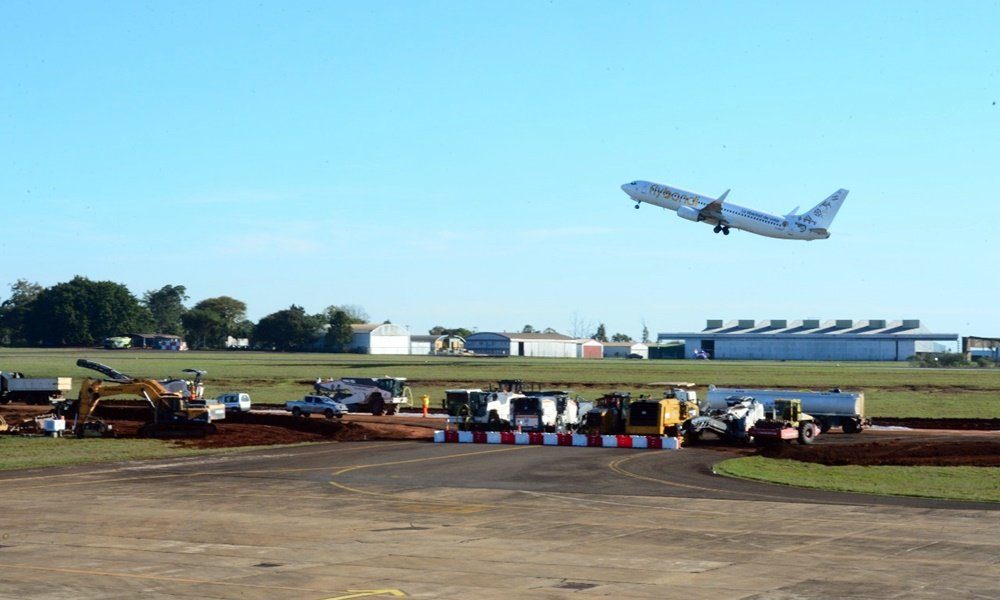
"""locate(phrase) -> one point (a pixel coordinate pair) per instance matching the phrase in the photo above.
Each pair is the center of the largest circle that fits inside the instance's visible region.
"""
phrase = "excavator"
(173, 415)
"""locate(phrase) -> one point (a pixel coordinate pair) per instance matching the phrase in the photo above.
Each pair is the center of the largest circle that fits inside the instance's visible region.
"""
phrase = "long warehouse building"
(810, 339)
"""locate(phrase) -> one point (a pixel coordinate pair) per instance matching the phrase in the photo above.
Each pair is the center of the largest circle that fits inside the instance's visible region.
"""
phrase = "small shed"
(624, 349)
(589, 348)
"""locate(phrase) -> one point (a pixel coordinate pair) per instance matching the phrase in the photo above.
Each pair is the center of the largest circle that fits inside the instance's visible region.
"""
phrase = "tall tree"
(14, 311)
(166, 305)
(460, 331)
(339, 335)
(211, 320)
(645, 332)
(82, 312)
(288, 329)
(621, 337)
(601, 335)
(528, 329)
(356, 314)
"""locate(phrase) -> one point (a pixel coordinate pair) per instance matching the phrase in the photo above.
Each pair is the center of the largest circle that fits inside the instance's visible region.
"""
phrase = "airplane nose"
(627, 188)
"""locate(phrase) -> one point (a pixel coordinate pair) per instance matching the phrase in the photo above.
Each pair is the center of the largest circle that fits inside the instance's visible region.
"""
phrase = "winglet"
(722, 198)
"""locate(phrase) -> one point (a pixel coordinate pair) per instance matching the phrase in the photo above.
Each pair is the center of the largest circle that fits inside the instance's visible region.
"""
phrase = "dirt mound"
(977, 453)
(920, 423)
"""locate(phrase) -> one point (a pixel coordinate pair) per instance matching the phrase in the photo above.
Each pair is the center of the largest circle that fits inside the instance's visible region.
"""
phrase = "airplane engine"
(689, 213)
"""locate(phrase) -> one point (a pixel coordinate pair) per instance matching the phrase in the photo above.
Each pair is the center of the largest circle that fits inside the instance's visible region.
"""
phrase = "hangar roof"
(813, 328)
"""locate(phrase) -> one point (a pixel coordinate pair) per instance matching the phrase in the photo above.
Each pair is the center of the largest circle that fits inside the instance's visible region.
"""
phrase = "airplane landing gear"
(717, 229)
(637, 206)
(723, 228)
(725, 231)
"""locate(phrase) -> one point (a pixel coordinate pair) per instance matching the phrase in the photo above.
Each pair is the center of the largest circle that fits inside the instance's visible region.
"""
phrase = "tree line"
(83, 312)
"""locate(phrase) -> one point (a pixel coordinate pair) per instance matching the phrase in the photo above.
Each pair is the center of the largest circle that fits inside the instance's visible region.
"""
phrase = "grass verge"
(950, 483)
(39, 452)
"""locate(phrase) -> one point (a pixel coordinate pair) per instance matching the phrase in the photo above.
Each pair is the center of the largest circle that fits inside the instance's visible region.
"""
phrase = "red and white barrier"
(652, 442)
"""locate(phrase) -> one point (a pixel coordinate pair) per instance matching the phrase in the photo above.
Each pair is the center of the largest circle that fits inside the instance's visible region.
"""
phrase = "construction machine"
(731, 423)
(378, 395)
(173, 416)
(608, 414)
(647, 416)
(784, 421)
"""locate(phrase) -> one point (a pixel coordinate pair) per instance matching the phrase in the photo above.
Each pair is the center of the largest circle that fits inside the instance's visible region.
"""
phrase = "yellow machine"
(172, 415)
(608, 414)
(660, 417)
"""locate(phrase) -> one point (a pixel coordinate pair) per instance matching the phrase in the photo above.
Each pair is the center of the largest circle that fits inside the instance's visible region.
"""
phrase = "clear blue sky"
(459, 163)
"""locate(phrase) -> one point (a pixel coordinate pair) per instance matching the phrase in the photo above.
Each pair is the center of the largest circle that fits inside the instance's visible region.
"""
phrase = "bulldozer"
(173, 416)
(784, 421)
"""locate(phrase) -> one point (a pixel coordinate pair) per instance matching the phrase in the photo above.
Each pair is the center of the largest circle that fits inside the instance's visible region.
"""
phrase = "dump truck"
(378, 395)
(731, 423)
(784, 421)
(834, 408)
(15, 387)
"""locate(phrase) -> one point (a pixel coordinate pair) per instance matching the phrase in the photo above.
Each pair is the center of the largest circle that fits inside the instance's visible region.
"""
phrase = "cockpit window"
(634, 182)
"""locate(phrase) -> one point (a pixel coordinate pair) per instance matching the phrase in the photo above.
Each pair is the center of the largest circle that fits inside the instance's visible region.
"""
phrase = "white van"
(235, 401)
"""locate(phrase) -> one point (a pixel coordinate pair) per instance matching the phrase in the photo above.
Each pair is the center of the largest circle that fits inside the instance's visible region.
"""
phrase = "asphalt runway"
(412, 519)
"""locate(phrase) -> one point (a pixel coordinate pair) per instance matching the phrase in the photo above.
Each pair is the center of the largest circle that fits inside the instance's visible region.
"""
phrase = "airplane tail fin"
(821, 215)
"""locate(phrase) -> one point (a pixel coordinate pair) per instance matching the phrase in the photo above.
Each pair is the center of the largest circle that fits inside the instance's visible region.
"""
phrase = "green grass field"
(955, 483)
(891, 389)
(26, 453)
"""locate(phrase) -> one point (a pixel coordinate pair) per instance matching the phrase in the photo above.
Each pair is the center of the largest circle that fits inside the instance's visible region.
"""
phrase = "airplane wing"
(712, 211)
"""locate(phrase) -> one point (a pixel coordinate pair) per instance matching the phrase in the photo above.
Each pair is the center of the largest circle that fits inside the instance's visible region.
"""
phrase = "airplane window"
(633, 183)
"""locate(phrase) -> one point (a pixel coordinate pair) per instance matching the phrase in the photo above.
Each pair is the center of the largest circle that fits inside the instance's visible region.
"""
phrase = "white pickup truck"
(324, 405)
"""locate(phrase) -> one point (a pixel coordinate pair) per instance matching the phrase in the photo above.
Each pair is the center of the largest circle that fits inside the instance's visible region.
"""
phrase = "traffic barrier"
(652, 442)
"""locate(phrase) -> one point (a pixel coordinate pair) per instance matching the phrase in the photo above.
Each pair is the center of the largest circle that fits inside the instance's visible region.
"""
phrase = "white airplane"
(810, 225)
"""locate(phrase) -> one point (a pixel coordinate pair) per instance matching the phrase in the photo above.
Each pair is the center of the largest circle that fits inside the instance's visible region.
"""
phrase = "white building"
(385, 338)
(623, 349)
(810, 339)
(548, 345)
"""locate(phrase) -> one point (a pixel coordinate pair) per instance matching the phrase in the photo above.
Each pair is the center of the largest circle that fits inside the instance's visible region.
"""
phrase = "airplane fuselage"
(692, 206)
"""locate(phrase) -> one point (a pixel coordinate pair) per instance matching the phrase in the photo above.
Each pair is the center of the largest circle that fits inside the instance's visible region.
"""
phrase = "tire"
(377, 404)
(494, 421)
(391, 409)
(824, 426)
(296, 412)
(851, 426)
(807, 433)
(328, 413)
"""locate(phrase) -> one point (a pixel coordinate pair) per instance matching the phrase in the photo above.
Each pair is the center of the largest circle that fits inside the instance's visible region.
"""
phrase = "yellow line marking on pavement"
(164, 578)
(125, 470)
(615, 466)
(460, 507)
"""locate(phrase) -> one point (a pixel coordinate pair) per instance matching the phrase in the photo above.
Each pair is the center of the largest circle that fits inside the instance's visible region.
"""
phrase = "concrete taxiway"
(395, 519)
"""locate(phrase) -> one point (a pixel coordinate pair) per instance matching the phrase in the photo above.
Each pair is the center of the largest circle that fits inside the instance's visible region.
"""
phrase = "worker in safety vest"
(427, 402)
